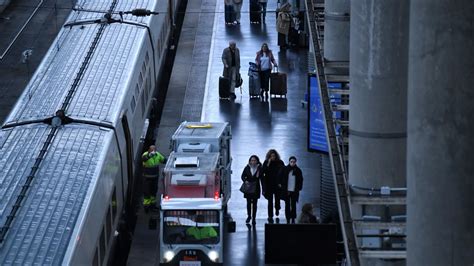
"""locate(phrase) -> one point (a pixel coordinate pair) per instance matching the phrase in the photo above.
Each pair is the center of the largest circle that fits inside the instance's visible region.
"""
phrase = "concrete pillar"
(378, 78)
(336, 30)
(440, 164)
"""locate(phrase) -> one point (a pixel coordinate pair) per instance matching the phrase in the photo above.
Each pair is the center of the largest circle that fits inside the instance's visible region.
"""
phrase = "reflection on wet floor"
(259, 125)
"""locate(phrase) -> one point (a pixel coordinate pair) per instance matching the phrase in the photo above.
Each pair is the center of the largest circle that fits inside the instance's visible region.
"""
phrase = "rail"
(335, 155)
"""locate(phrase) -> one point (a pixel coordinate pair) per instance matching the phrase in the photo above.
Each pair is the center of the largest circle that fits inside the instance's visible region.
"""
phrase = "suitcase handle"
(276, 68)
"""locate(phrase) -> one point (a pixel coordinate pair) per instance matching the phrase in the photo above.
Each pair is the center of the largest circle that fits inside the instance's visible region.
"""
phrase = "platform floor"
(279, 123)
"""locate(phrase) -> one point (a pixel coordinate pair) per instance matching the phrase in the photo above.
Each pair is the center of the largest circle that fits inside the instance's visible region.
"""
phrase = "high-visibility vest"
(153, 161)
(201, 233)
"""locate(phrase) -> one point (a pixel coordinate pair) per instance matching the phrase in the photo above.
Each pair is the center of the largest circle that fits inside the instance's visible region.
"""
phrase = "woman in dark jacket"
(291, 183)
(271, 168)
(252, 173)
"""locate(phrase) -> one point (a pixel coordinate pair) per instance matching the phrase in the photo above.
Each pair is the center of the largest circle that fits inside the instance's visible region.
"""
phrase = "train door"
(129, 162)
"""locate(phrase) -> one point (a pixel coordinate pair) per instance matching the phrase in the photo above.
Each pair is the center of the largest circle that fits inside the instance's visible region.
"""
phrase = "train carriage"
(64, 186)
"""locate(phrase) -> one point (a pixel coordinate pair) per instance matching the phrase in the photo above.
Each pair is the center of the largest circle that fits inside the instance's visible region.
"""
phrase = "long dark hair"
(268, 52)
(256, 157)
(270, 152)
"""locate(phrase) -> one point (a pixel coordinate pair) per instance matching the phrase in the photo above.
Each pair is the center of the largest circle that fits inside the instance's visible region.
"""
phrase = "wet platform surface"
(257, 126)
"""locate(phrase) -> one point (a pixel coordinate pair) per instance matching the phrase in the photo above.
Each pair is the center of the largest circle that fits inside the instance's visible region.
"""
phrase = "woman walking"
(237, 8)
(291, 183)
(283, 24)
(264, 61)
(251, 178)
(271, 167)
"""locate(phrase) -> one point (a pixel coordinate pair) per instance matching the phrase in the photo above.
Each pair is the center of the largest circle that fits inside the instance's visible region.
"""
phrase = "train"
(70, 147)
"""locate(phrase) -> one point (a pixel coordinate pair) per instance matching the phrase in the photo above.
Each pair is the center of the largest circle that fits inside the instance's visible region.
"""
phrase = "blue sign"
(316, 128)
(317, 140)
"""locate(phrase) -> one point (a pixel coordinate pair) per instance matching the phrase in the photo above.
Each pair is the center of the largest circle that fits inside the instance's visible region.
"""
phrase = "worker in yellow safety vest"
(151, 159)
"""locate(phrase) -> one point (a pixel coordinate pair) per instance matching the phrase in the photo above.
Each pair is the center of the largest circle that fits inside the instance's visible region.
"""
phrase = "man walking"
(231, 60)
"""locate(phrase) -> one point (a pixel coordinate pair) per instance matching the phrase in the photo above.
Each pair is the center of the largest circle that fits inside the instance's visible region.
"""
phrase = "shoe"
(253, 221)
(270, 220)
(248, 220)
(293, 220)
(288, 221)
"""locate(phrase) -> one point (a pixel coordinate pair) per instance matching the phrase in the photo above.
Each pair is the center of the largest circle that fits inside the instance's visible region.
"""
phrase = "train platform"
(257, 125)
(27, 28)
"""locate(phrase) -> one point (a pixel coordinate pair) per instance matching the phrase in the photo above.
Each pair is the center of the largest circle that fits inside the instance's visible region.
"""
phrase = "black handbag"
(238, 80)
(248, 187)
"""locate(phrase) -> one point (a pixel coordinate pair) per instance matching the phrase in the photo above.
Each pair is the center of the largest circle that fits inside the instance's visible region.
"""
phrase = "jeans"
(232, 76)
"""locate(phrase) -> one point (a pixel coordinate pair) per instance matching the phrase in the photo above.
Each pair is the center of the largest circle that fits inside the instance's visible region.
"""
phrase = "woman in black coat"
(291, 183)
(252, 173)
(271, 168)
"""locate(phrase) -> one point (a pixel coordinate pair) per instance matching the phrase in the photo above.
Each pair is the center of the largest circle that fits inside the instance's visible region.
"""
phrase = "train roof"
(44, 224)
(102, 80)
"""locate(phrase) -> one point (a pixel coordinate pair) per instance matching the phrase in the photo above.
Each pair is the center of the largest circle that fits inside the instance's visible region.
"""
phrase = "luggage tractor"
(192, 212)
(205, 137)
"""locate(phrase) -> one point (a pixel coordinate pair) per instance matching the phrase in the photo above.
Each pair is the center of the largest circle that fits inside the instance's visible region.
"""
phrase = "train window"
(108, 223)
(140, 80)
(133, 103)
(147, 58)
(114, 204)
(102, 245)
(95, 262)
(143, 104)
(147, 84)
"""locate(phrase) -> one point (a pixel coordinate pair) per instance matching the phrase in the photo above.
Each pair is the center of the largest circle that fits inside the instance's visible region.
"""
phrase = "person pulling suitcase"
(264, 61)
(231, 61)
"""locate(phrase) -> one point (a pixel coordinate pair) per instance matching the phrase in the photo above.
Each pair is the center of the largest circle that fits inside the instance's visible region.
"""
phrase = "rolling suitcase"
(255, 14)
(229, 14)
(278, 83)
(224, 87)
(254, 80)
(254, 85)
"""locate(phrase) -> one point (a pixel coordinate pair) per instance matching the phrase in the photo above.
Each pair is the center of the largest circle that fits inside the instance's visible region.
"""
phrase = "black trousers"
(270, 204)
(290, 206)
(282, 40)
(252, 208)
(150, 186)
(265, 79)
